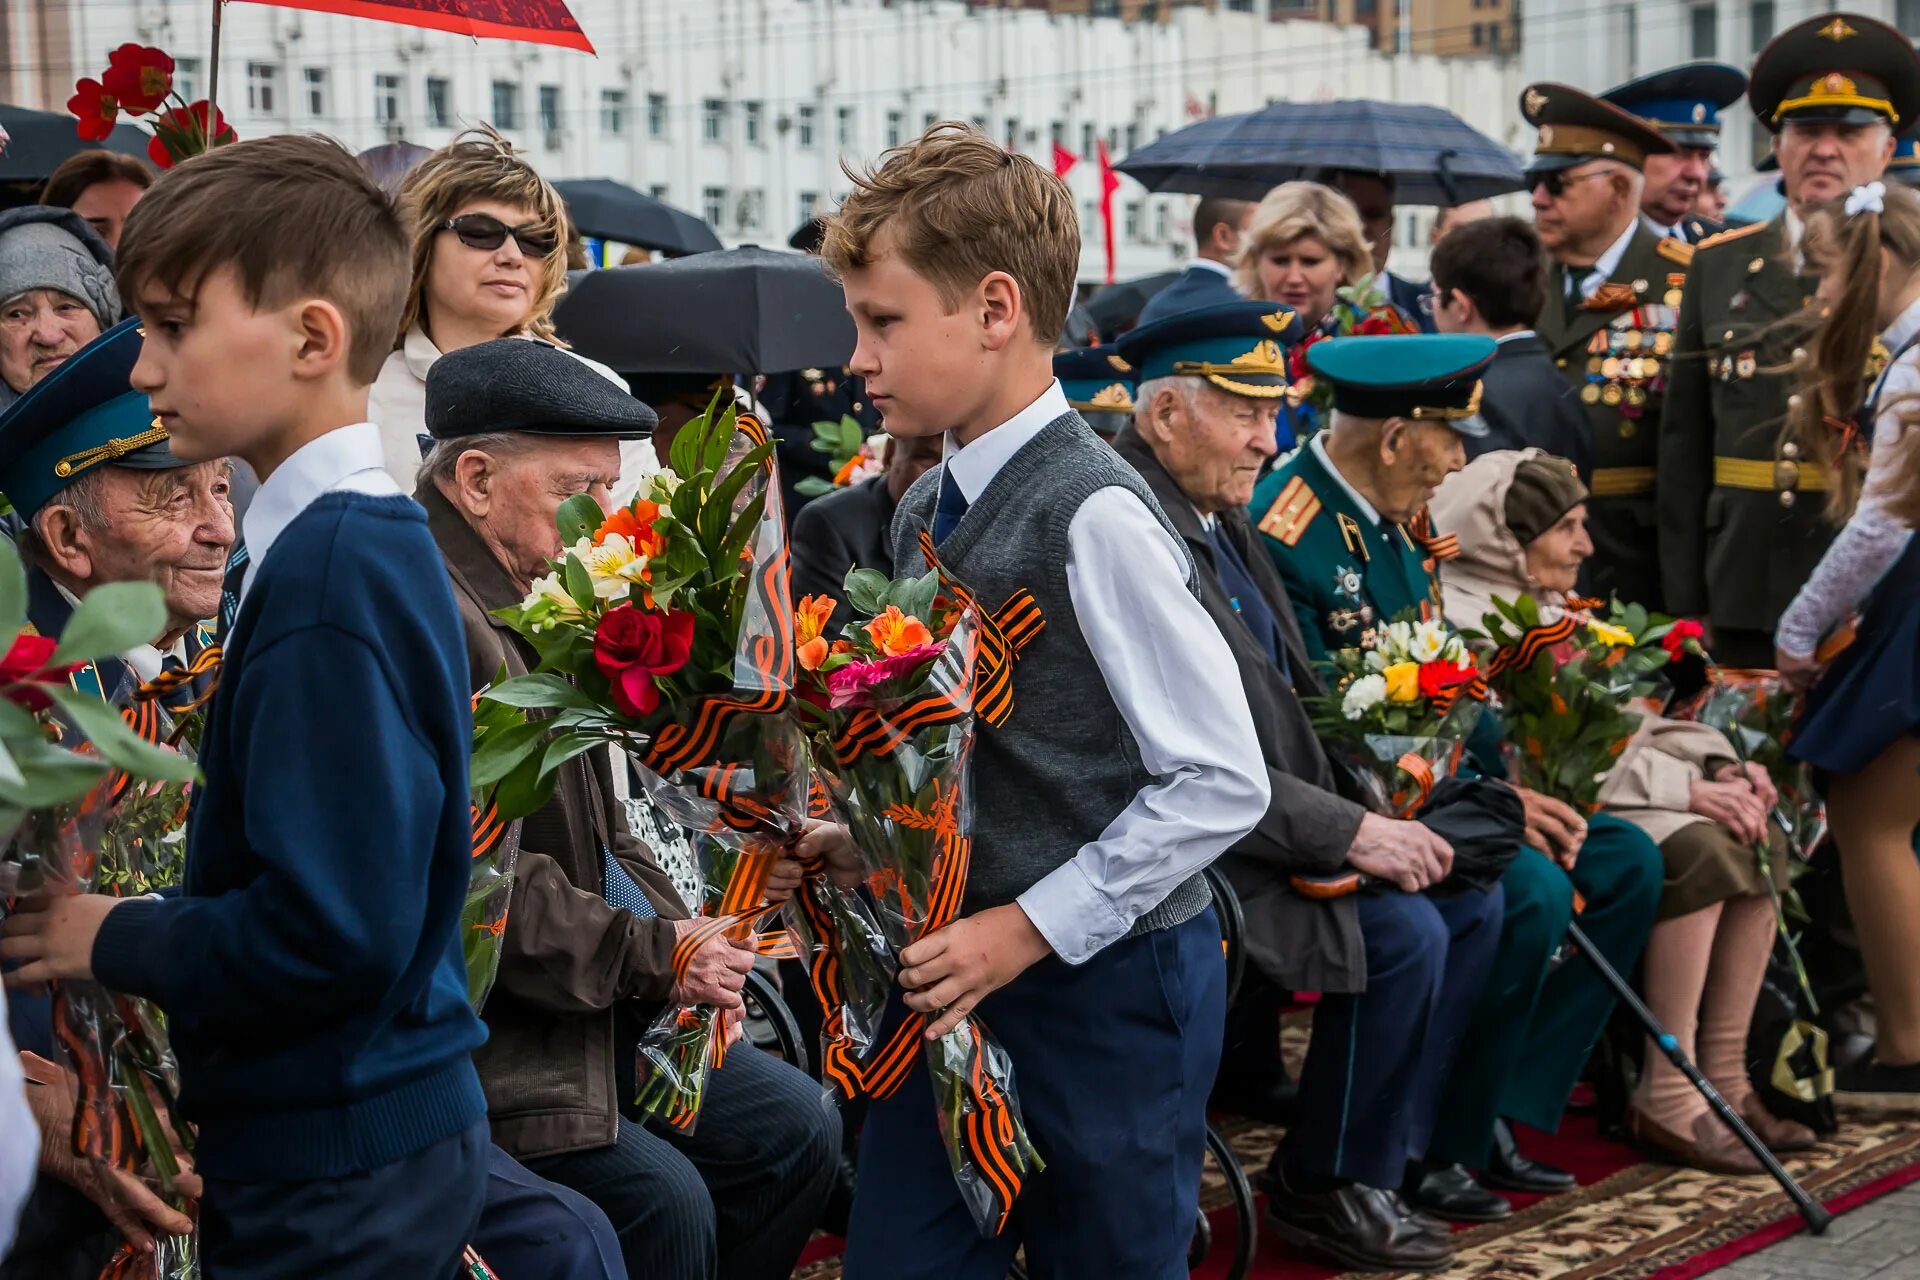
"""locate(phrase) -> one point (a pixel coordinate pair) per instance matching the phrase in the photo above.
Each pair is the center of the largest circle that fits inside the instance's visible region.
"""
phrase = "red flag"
(1196, 110)
(533, 21)
(1109, 183)
(1063, 161)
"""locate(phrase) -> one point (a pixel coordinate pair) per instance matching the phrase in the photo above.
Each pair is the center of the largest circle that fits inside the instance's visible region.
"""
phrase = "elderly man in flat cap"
(519, 427)
(56, 293)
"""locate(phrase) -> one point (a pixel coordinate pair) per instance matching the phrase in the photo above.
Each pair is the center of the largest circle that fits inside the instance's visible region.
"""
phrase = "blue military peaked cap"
(1905, 165)
(1095, 379)
(82, 415)
(1237, 346)
(1431, 377)
(1683, 102)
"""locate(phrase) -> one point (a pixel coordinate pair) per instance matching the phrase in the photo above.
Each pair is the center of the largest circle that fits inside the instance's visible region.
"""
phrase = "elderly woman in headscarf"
(1520, 517)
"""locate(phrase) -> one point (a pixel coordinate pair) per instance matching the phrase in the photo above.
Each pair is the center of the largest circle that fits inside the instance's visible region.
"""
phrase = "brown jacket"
(568, 957)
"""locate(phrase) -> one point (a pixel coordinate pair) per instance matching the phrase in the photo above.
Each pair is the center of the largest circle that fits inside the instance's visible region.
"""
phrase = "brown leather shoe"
(1358, 1227)
(1781, 1136)
(1711, 1147)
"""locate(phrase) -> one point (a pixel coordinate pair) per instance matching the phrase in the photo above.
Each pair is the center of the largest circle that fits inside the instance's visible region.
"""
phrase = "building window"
(656, 115)
(843, 126)
(896, 126)
(550, 109)
(1761, 21)
(1136, 223)
(1133, 138)
(1479, 35)
(386, 99)
(713, 205)
(263, 84)
(658, 191)
(927, 122)
(1493, 36)
(1086, 140)
(803, 121)
(1703, 27)
(753, 208)
(439, 115)
(613, 111)
(1160, 223)
(808, 208)
(1013, 133)
(506, 104)
(316, 78)
(186, 78)
(1058, 134)
(713, 120)
(1906, 16)
(1087, 214)
(752, 114)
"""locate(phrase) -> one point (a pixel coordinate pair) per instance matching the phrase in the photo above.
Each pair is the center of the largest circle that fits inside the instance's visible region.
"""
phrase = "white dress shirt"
(1208, 264)
(348, 458)
(19, 1136)
(1604, 268)
(145, 659)
(1161, 657)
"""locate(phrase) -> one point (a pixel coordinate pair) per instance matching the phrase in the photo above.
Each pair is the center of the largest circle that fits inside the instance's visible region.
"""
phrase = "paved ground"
(1878, 1241)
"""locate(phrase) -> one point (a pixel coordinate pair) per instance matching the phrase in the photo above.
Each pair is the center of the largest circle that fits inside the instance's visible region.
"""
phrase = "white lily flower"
(1428, 643)
(1376, 660)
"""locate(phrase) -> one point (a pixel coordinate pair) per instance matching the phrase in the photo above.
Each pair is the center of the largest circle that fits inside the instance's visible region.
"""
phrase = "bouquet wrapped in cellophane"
(665, 629)
(496, 850)
(1399, 709)
(1755, 709)
(894, 704)
(1568, 690)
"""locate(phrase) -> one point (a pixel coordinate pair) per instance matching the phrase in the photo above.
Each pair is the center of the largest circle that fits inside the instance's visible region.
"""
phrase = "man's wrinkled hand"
(718, 973)
(1553, 827)
(1401, 853)
(52, 937)
(782, 882)
(833, 845)
(949, 972)
(126, 1201)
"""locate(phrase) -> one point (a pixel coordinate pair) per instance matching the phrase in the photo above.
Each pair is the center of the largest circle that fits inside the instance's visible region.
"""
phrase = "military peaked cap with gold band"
(1837, 68)
(1422, 377)
(1683, 102)
(1575, 127)
(1905, 165)
(1095, 379)
(1237, 346)
(83, 415)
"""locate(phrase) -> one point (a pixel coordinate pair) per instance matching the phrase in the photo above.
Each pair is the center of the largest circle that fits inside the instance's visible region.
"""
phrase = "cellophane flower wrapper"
(1756, 710)
(1398, 772)
(897, 767)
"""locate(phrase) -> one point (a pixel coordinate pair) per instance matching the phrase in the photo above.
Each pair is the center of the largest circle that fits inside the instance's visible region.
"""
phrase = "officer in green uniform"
(1344, 520)
(1739, 510)
(1613, 296)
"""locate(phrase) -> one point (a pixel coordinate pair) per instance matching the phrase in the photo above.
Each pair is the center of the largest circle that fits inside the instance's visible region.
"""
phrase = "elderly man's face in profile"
(38, 330)
(511, 498)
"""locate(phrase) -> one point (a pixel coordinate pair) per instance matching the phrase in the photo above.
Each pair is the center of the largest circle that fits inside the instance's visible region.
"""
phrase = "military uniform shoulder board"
(1292, 511)
(1734, 233)
(1675, 250)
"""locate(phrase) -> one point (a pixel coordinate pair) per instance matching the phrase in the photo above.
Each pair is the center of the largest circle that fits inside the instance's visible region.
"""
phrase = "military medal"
(1590, 393)
(1746, 365)
(1612, 396)
(1347, 581)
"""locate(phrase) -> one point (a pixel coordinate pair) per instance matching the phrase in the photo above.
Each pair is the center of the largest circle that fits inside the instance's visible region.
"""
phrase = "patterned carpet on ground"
(1628, 1220)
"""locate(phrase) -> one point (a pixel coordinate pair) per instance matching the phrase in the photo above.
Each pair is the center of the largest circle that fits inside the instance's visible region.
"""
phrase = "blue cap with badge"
(1423, 377)
(1683, 102)
(82, 415)
(1239, 347)
(1095, 379)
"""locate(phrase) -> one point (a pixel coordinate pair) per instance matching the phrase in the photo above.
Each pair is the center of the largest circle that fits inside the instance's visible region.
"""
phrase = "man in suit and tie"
(1489, 277)
(1399, 970)
(1684, 103)
(1372, 195)
(1218, 224)
(850, 527)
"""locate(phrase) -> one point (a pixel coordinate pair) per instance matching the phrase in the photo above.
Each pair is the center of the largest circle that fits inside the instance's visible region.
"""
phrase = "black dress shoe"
(1511, 1171)
(1357, 1227)
(1425, 1221)
(1270, 1100)
(1449, 1191)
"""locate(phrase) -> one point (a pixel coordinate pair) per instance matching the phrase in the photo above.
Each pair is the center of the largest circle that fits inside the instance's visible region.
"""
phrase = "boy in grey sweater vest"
(1129, 761)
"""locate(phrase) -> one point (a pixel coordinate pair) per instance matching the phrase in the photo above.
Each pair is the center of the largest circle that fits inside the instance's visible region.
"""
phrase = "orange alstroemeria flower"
(635, 524)
(810, 617)
(895, 633)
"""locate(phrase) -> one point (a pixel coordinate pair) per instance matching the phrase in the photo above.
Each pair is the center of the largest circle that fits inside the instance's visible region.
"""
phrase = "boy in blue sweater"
(311, 970)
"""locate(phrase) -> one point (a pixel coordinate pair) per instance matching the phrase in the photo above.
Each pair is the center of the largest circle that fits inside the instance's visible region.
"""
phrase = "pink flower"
(855, 683)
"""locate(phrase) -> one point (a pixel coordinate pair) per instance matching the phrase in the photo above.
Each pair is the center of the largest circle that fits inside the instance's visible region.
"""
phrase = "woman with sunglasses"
(489, 261)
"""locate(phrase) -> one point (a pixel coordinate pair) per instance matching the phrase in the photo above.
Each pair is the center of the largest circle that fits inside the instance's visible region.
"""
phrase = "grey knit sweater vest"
(1064, 765)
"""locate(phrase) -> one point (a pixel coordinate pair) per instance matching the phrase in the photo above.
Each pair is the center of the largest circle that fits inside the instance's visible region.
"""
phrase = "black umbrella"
(1114, 308)
(747, 310)
(37, 141)
(609, 210)
(1433, 156)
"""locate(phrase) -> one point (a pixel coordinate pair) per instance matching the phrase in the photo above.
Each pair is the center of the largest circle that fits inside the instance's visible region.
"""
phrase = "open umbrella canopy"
(609, 210)
(37, 141)
(737, 311)
(1433, 156)
(1114, 308)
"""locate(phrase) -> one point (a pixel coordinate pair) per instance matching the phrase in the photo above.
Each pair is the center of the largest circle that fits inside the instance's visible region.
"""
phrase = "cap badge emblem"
(1699, 113)
(1534, 101)
(1837, 30)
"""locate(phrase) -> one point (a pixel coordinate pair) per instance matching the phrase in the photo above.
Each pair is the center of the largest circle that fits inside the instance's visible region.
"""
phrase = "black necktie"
(952, 504)
(1244, 594)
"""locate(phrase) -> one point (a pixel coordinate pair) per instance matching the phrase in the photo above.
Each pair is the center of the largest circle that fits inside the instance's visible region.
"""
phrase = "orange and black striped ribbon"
(1519, 655)
(102, 1129)
(169, 682)
(1441, 546)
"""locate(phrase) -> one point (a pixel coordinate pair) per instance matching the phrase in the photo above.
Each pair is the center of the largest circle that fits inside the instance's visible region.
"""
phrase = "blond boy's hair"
(957, 207)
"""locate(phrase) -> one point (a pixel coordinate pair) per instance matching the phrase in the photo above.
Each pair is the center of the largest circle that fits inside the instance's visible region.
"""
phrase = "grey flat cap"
(513, 384)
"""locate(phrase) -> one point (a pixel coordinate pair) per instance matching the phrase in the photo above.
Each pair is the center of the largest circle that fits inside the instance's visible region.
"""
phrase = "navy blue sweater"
(311, 968)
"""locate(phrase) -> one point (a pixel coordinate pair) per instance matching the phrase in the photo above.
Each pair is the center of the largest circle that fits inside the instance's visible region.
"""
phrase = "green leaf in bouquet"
(578, 517)
(50, 776)
(684, 456)
(565, 747)
(719, 507)
(111, 619)
(541, 691)
(13, 590)
(852, 436)
(867, 591)
(524, 790)
(115, 740)
(740, 535)
(717, 435)
(502, 751)
(915, 596)
(578, 582)
(812, 486)
(826, 437)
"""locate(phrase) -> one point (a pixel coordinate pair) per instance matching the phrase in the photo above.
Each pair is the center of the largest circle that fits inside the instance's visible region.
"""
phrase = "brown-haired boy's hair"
(958, 207)
(1499, 264)
(89, 168)
(293, 216)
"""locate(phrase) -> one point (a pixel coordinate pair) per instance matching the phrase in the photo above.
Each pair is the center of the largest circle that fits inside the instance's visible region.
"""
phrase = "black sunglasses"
(484, 231)
(1557, 182)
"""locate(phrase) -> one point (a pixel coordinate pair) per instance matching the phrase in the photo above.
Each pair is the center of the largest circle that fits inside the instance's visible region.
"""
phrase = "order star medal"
(1347, 581)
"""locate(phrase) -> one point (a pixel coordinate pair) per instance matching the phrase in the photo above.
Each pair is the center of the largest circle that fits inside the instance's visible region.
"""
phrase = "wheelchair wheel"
(1233, 928)
(770, 1024)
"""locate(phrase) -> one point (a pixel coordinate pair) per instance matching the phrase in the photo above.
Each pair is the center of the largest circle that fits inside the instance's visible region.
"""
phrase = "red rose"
(1438, 677)
(24, 669)
(178, 134)
(140, 77)
(1297, 359)
(632, 647)
(1374, 325)
(1675, 641)
(95, 108)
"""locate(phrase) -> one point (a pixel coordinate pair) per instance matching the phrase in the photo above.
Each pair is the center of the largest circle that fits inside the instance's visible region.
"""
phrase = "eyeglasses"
(484, 231)
(1557, 182)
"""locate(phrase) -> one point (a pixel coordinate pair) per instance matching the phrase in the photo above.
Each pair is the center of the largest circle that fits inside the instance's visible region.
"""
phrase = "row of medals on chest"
(1625, 362)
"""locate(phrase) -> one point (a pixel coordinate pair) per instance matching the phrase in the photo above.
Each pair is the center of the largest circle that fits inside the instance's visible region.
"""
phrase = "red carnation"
(1297, 359)
(1374, 324)
(1676, 639)
(24, 670)
(1438, 677)
(178, 134)
(631, 648)
(96, 109)
(139, 76)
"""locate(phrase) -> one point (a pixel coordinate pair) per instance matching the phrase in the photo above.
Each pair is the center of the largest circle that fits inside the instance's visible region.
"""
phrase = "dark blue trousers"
(1370, 1089)
(411, 1218)
(532, 1229)
(1112, 1063)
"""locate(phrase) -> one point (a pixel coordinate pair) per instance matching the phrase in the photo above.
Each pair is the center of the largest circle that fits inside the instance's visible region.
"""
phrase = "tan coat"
(1651, 784)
